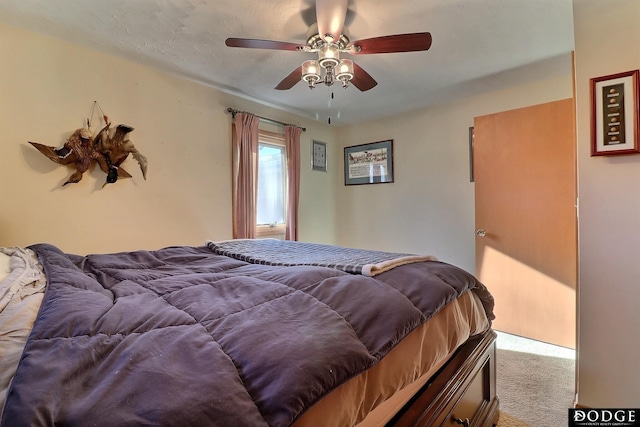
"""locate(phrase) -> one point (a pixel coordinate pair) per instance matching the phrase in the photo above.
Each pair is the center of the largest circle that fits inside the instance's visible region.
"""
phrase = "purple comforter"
(184, 337)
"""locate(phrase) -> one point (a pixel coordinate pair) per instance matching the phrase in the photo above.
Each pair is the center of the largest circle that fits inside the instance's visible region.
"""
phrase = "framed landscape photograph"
(369, 163)
(614, 114)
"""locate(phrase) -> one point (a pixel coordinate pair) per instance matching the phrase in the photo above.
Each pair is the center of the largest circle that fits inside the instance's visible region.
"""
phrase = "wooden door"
(525, 190)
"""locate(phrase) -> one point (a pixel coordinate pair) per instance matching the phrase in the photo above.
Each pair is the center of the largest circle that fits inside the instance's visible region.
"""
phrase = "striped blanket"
(289, 253)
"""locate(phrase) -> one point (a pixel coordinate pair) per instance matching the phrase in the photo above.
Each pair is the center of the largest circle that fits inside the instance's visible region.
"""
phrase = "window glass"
(272, 166)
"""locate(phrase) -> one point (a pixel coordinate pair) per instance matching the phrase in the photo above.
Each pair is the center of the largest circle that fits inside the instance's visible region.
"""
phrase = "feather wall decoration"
(115, 146)
(109, 149)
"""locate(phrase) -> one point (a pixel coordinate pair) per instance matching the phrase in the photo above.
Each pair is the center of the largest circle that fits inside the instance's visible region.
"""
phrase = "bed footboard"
(462, 393)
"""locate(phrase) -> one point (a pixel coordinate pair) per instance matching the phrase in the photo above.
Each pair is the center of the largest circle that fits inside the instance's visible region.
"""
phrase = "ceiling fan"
(329, 38)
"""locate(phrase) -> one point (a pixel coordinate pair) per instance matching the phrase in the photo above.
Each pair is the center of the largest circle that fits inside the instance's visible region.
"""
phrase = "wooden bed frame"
(461, 393)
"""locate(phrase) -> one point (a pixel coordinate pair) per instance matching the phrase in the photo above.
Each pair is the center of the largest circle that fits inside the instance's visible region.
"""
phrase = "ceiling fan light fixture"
(344, 72)
(328, 38)
(311, 72)
(329, 56)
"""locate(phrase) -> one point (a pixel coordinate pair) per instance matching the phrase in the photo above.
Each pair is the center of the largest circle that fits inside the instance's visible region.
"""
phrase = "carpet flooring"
(535, 382)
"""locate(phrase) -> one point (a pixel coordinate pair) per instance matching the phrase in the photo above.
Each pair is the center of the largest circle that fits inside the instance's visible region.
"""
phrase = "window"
(271, 211)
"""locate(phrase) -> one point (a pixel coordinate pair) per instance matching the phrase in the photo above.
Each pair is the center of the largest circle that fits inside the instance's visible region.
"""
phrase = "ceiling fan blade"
(331, 15)
(396, 43)
(361, 79)
(261, 44)
(291, 80)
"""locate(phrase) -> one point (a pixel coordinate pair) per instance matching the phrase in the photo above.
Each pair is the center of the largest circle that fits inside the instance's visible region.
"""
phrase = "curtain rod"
(234, 112)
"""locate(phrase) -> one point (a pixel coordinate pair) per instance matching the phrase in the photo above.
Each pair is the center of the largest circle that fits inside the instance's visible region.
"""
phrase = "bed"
(243, 333)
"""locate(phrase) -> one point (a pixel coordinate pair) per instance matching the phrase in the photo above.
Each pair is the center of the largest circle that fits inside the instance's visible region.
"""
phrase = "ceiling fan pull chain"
(330, 98)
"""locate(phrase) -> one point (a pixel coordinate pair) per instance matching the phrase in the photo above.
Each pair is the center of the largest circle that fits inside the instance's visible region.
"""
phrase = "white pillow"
(5, 265)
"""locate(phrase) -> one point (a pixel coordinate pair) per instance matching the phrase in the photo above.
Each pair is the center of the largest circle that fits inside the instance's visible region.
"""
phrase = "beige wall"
(429, 209)
(48, 88)
(607, 40)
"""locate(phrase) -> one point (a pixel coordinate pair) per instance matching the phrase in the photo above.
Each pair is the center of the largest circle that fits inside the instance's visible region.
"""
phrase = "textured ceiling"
(478, 45)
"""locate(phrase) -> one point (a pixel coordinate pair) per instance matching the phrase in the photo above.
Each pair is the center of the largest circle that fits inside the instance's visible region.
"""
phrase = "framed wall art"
(318, 156)
(614, 114)
(369, 163)
(471, 139)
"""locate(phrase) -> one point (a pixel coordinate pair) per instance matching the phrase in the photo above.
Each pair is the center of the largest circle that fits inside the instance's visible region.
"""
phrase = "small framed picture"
(471, 138)
(318, 156)
(369, 163)
(614, 114)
